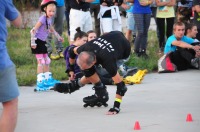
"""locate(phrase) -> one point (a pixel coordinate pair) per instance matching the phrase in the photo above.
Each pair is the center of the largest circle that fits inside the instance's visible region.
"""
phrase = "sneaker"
(55, 56)
(134, 37)
(195, 63)
(61, 54)
(127, 71)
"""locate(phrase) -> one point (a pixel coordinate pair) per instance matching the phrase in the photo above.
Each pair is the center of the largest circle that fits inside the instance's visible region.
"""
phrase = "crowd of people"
(96, 56)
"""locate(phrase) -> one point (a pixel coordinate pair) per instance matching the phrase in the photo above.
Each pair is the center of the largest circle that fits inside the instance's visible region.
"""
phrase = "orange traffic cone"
(189, 118)
(137, 126)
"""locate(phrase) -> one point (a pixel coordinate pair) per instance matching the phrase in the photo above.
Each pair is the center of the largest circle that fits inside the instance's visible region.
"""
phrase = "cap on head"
(46, 2)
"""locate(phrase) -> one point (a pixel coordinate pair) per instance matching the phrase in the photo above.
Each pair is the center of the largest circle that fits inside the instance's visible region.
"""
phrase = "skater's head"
(179, 30)
(191, 30)
(86, 60)
(91, 35)
(49, 7)
(80, 37)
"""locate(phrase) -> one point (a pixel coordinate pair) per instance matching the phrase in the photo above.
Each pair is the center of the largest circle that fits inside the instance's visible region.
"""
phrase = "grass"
(18, 45)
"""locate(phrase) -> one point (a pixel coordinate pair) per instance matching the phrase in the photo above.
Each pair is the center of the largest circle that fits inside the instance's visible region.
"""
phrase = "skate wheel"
(91, 105)
(35, 90)
(99, 105)
(85, 105)
(105, 105)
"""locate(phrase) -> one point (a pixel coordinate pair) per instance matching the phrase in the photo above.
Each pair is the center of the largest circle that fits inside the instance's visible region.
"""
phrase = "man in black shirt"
(105, 50)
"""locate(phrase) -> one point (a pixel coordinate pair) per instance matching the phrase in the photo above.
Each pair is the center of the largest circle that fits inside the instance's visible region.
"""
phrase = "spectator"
(142, 17)
(191, 31)
(81, 10)
(184, 11)
(184, 55)
(109, 15)
(57, 20)
(80, 38)
(9, 91)
(95, 8)
(91, 35)
(196, 8)
(131, 29)
(154, 12)
(165, 18)
(67, 12)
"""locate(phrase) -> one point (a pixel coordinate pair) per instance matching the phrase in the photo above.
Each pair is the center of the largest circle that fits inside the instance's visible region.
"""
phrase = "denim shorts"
(130, 22)
(8, 84)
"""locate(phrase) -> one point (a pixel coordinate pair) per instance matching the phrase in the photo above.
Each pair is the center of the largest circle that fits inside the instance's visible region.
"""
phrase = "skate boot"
(41, 86)
(51, 82)
(98, 99)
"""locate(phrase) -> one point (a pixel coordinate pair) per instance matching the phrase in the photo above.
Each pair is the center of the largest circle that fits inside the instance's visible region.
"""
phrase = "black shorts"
(41, 47)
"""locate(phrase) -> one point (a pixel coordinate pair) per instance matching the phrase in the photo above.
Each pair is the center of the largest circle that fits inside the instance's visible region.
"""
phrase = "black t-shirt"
(83, 5)
(108, 49)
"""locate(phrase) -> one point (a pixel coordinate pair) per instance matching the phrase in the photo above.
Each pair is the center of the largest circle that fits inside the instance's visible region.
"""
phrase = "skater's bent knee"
(89, 72)
(121, 88)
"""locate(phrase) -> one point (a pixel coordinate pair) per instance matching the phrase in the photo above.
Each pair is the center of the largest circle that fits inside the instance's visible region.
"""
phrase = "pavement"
(160, 103)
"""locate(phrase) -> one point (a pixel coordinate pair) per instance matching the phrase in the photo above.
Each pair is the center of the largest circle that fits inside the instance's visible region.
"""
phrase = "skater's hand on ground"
(111, 113)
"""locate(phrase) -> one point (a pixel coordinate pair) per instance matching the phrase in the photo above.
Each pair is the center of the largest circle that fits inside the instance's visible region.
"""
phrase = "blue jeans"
(142, 22)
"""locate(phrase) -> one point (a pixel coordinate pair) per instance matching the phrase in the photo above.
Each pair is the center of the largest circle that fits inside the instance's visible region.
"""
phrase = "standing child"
(39, 35)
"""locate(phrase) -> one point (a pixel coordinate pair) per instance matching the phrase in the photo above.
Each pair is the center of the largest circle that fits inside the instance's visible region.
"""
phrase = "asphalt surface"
(160, 103)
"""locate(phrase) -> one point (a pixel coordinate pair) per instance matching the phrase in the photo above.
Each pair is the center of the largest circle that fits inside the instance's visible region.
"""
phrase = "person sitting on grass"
(183, 54)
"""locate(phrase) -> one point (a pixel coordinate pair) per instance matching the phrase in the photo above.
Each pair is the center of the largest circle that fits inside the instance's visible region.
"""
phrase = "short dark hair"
(189, 26)
(79, 34)
(90, 31)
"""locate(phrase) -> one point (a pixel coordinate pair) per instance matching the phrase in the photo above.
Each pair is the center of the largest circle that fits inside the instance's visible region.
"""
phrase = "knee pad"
(89, 72)
(121, 89)
(41, 61)
(47, 60)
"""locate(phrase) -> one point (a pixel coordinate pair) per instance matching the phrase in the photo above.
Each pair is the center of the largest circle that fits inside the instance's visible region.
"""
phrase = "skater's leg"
(99, 98)
(121, 90)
